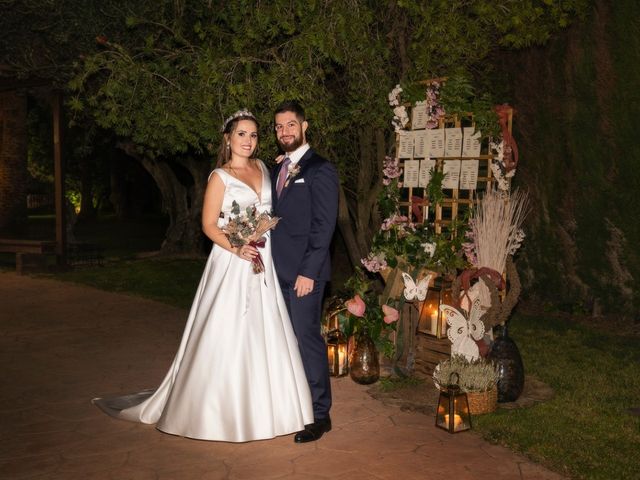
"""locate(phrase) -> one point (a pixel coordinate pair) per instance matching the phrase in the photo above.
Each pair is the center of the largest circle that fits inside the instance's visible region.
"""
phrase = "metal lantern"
(453, 408)
(336, 340)
(331, 320)
(432, 321)
(337, 353)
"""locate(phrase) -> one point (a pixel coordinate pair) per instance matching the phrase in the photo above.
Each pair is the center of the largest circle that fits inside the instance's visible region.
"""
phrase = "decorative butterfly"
(463, 331)
(414, 291)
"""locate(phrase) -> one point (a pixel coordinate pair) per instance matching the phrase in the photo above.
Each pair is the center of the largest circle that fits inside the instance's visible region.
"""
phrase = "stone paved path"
(62, 344)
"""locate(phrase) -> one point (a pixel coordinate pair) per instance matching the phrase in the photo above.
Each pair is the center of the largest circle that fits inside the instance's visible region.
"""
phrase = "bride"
(237, 375)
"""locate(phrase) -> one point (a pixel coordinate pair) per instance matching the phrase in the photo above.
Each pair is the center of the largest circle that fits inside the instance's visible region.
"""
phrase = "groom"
(305, 197)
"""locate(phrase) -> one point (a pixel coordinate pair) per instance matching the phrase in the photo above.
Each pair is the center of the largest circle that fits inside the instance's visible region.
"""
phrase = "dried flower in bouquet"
(248, 228)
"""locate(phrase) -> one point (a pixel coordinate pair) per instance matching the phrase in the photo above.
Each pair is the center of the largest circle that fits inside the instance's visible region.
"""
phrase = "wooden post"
(61, 224)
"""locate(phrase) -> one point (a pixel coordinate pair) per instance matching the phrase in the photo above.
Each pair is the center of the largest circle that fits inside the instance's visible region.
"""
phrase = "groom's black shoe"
(313, 431)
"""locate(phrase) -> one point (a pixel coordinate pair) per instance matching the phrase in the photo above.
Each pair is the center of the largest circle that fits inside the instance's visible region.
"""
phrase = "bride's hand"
(279, 159)
(247, 252)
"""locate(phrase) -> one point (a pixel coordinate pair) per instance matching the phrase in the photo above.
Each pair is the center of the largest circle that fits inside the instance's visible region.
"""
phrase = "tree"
(165, 85)
(39, 42)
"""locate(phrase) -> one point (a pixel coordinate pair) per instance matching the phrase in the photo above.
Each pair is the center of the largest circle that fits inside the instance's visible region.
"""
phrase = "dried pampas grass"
(496, 227)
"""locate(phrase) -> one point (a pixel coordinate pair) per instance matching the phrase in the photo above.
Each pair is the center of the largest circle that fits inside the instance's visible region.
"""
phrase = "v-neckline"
(258, 195)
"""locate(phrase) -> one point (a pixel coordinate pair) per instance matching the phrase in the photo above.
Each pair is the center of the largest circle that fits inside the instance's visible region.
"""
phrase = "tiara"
(240, 113)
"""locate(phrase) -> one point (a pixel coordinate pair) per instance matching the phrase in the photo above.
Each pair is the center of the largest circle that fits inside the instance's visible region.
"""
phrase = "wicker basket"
(483, 402)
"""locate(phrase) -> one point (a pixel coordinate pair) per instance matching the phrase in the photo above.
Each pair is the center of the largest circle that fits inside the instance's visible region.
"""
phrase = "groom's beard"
(290, 147)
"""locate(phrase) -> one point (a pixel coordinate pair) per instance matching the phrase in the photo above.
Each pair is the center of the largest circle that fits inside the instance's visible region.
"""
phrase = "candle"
(341, 357)
(457, 421)
(330, 353)
(434, 322)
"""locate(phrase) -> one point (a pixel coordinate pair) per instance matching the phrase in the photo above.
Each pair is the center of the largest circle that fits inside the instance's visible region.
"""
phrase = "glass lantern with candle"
(337, 353)
(453, 408)
(432, 321)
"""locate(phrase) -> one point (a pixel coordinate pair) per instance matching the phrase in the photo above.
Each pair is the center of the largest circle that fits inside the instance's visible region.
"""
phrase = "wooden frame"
(456, 200)
(429, 350)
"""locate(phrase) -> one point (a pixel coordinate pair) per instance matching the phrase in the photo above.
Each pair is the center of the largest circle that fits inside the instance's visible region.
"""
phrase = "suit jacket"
(308, 209)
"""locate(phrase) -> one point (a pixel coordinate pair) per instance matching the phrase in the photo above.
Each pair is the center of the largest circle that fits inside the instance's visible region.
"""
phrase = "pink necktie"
(282, 176)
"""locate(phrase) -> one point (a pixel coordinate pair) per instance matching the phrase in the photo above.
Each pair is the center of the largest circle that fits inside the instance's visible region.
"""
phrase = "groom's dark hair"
(291, 106)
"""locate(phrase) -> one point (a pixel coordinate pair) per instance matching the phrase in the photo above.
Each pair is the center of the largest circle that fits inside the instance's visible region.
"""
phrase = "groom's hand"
(303, 286)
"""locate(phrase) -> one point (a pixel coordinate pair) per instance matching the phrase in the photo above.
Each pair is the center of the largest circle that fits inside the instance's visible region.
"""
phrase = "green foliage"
(212, 61)
(445, 35)
(412, 92)
(388, 199)
(190, 67)
(456, 92)
(73, 197)
(458, 97)
(398, 242)
(162, 75)
(434, 187)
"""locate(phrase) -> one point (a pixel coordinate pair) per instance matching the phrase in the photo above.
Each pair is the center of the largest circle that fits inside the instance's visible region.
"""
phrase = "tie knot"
(287, 161)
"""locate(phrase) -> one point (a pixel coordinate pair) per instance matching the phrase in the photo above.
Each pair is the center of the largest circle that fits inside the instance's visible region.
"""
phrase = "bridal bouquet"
(248, 228)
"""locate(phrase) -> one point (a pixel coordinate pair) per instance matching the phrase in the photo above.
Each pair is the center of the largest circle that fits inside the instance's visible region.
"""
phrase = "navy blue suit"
(308, 209)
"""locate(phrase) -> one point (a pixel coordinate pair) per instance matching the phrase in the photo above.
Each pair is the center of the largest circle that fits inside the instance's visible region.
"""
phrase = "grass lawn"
(586, 430)
(172, 281)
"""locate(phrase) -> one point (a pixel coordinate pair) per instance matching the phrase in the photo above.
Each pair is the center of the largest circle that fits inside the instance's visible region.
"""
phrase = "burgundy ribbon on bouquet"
(258, 264)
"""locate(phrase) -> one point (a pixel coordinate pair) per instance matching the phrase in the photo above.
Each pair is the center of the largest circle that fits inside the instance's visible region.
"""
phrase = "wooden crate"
(420, 353)
(429, 351)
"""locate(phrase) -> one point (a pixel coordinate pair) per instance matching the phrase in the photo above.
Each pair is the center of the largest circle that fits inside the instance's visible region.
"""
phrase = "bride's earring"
(228, 146)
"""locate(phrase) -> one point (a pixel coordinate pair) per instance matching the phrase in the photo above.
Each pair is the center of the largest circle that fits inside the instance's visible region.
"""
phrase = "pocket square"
(300, 180)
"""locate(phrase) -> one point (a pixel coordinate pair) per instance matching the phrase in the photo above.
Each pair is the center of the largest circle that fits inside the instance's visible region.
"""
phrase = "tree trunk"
(358, 217)
(117, 197)
(184, 234)
(348, 232)
(181, 203)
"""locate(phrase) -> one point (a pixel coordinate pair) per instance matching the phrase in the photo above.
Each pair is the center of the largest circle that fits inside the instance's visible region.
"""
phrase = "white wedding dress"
(237, 375)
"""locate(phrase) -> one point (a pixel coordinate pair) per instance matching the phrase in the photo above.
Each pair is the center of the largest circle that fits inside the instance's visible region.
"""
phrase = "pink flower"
(374, 263)
(356, 306)
(394, 219)
(391, 169)
(390, 314)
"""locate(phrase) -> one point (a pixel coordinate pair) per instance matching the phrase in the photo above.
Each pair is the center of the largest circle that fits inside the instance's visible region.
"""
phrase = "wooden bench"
(26, 249)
